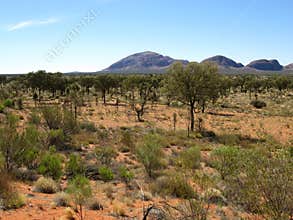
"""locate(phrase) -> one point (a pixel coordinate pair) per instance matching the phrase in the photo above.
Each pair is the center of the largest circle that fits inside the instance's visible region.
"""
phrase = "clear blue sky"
(188, 29)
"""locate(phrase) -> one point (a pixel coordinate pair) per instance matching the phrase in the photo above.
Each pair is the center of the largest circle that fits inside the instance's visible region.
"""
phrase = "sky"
(90, 35)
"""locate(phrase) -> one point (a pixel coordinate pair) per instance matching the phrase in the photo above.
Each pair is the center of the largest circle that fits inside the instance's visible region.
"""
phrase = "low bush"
(229, 139)
(35, 118)
(106, 174)
(80, 191)
(264, 185)
(225, 160)
(94, 204)
(57, 138)
(46, 185)
(190, 158)
(19, 103)
(53, 117)
(258, 104)
(8, 103)
(126, 175)
(2, 107)
(88, 126)
(150, 153)
(9, 197)
(75, 166)
(62, 199)
(127, 141)
(51, 165)
(173, 184)
(105, 155)
(24, 174)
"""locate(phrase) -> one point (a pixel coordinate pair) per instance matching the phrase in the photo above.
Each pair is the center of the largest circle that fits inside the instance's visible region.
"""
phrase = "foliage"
(225, 160)
(46, 185)
(2, 107)
(195, 83)
(11, 142)
(258, 104)
(53, 117)
(35, 118)
(174, 184)
(150, 154)
(62, 199)
(80, 191)
(105, 173)
(9, 197)
(75, 165)
(125, 174)
(95, 204)
(51, 165)
(56, 138)
(127, 140)
(8, 103)
(190, 158)
(88, 126)
(265, 184)
(105, 155)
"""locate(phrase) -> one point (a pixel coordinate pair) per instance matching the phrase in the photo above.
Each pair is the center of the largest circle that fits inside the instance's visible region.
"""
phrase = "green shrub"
(105, 155)
(24, 174)
(34, 118)
(62, 199)
(46, 185)
(75, 166)
(226, 160)
(9, 197)
(57, 138)
(51, 165)
(80, 190)
(150, 154)
(8, 103)
(2, 107)
(229, 139)
(53, 117)
(190, 158)
(174, 184)
(106, 174)
(265, 184)
(95, 205)
(88, 126)
(69, 123)
(258, 104)
(32, 142)
(125, 174)
(19, 103)
(127, 141)
(12, 201)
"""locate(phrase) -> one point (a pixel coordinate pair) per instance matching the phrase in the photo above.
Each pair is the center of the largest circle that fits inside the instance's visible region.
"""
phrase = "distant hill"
(289, 67)
(151, 62)
(224, 62)
(145, 62)
(266, 65)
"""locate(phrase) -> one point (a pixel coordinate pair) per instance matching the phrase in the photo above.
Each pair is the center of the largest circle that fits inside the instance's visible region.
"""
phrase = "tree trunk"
(192, 117)
(203, 107)
(75, 112)
(104, 97)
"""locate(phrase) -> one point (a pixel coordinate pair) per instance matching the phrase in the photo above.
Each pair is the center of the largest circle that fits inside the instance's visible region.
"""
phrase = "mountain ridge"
(152, 62)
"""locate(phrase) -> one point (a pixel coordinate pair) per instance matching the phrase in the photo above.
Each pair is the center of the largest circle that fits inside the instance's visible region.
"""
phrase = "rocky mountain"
(224, 62)
(145, 62)
(266, 65)
(151, 62)
(289, 67)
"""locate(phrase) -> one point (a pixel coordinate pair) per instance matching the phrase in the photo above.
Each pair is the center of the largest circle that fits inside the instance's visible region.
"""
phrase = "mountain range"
(151, 62)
